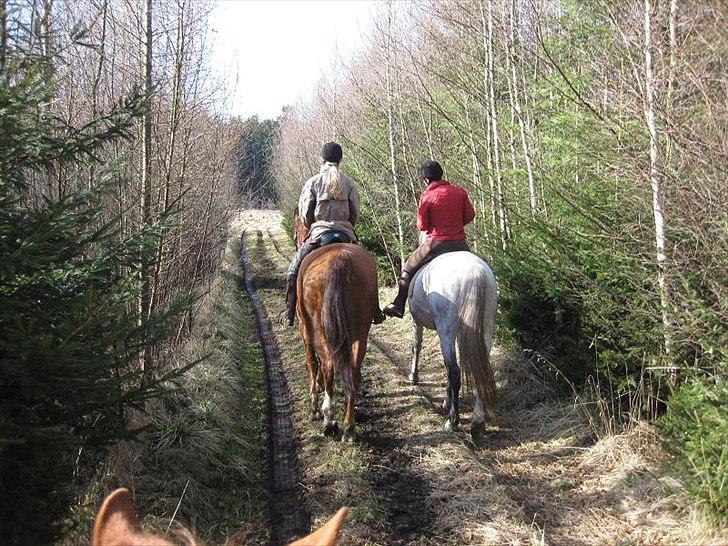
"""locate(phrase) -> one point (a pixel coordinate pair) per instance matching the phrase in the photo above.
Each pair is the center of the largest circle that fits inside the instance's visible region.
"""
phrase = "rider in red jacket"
(443, 211)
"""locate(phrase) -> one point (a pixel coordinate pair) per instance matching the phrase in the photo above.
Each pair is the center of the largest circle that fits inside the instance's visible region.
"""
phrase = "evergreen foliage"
(70, 337)
(695, 429)
(254, 155)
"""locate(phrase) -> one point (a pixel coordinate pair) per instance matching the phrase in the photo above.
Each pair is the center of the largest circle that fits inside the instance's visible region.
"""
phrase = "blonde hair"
(332, 180)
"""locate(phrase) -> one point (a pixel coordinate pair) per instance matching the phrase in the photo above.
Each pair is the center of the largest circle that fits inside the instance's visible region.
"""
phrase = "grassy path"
(540, 477)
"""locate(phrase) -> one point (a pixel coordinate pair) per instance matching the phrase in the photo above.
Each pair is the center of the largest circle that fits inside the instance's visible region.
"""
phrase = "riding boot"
(379, 317)
(396, 308)
(291, 299)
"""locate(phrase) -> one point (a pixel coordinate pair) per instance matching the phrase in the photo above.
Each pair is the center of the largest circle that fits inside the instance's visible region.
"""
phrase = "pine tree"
(70, 338)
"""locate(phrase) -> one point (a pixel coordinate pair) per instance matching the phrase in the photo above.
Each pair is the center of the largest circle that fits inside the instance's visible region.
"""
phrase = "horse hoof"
(414, 378)
(449, 426)
(477, 432)
(331, 428)
(349, 436)
(316, 415)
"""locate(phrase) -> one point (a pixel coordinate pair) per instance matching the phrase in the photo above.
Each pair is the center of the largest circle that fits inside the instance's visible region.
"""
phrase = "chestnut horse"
(336, 299)
(117, 524)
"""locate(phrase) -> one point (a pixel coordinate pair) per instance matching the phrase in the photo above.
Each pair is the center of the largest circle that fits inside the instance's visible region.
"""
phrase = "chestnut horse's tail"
(336, 320)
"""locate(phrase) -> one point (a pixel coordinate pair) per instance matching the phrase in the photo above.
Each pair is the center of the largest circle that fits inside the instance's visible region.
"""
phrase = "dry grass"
(206, 434)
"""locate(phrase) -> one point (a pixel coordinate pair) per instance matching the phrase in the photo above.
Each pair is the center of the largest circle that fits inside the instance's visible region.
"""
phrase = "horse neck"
(301, 234)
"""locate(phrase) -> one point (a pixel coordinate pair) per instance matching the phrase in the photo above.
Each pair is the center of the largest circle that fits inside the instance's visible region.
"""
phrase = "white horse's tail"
(475, 334)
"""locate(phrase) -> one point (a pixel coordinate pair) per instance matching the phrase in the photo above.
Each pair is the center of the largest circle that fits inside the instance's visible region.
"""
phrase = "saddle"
(334, 236)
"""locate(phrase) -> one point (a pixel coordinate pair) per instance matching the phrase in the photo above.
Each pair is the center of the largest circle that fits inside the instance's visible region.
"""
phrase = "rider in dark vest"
(442, 213)
(329, 207)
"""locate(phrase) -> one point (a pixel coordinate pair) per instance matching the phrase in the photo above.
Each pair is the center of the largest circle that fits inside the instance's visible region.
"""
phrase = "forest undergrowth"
(202, 458)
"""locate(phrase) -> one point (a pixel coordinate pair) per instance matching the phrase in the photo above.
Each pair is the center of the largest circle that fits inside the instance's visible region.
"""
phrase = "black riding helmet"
(431, 170)
(331, 152)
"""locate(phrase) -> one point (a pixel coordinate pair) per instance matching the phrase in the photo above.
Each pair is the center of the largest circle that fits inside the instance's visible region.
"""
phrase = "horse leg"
(331, 428)
(349, 434)
(358, 349)
(416, 348)
(477, 427)
(313, 370)
(447, 346)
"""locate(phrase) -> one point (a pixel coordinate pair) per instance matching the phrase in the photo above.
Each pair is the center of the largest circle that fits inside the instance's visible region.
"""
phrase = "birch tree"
(390, 130)
(656, 180)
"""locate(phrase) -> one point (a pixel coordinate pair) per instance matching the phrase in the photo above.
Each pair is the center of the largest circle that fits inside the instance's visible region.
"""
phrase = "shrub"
(695, 430)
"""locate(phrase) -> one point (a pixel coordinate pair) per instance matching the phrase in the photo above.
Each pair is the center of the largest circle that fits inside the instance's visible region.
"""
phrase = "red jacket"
(443, 211)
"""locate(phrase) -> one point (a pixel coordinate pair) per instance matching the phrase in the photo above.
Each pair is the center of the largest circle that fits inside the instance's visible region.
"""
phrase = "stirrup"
(393, 310)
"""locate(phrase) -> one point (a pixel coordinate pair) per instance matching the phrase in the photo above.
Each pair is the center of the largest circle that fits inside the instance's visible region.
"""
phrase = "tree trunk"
(146, 184)
(47, 30)
(3, 33)
(97, 80)
(519, 112)
(672, 61)
(390, 132)
(672, 26)
(477, 179)
(656, 183)
(409, 161)
(428, 138)
(46, 43)
(493, 117)
(171, 143)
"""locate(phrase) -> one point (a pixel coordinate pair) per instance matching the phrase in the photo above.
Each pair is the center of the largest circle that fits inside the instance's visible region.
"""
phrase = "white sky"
(278, 49)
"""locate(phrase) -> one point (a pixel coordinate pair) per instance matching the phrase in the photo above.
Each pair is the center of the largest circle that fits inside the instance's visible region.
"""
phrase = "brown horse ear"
(326, 535)
(116, 522)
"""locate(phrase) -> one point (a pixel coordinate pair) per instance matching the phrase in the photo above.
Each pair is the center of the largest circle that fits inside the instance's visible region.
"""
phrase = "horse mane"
(300, 231)
(335, 319)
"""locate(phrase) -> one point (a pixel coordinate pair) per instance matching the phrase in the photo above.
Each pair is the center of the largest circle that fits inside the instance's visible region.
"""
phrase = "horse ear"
(326, 535)
(116, 522)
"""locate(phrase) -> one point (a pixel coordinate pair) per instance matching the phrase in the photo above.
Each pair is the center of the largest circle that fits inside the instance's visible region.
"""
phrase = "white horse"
(456, 295)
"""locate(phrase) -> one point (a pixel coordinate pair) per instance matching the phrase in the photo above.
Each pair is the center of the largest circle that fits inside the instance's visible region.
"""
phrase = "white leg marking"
(327, 408)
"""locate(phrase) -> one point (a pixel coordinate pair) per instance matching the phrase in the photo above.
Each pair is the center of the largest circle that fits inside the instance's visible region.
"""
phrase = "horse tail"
(336, 320)
(478, 301)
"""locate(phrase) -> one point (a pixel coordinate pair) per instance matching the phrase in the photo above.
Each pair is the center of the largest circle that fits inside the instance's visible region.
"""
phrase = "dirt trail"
(539, 477)
(289, 515)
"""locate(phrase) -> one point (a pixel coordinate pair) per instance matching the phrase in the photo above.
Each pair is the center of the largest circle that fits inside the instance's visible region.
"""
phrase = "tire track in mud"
(402, 491)
(431, 390)
(289, 515)
(409, 512)
(404, 370)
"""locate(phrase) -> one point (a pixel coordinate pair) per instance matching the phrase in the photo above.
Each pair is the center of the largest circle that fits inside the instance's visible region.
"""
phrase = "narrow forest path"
(539, 477)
